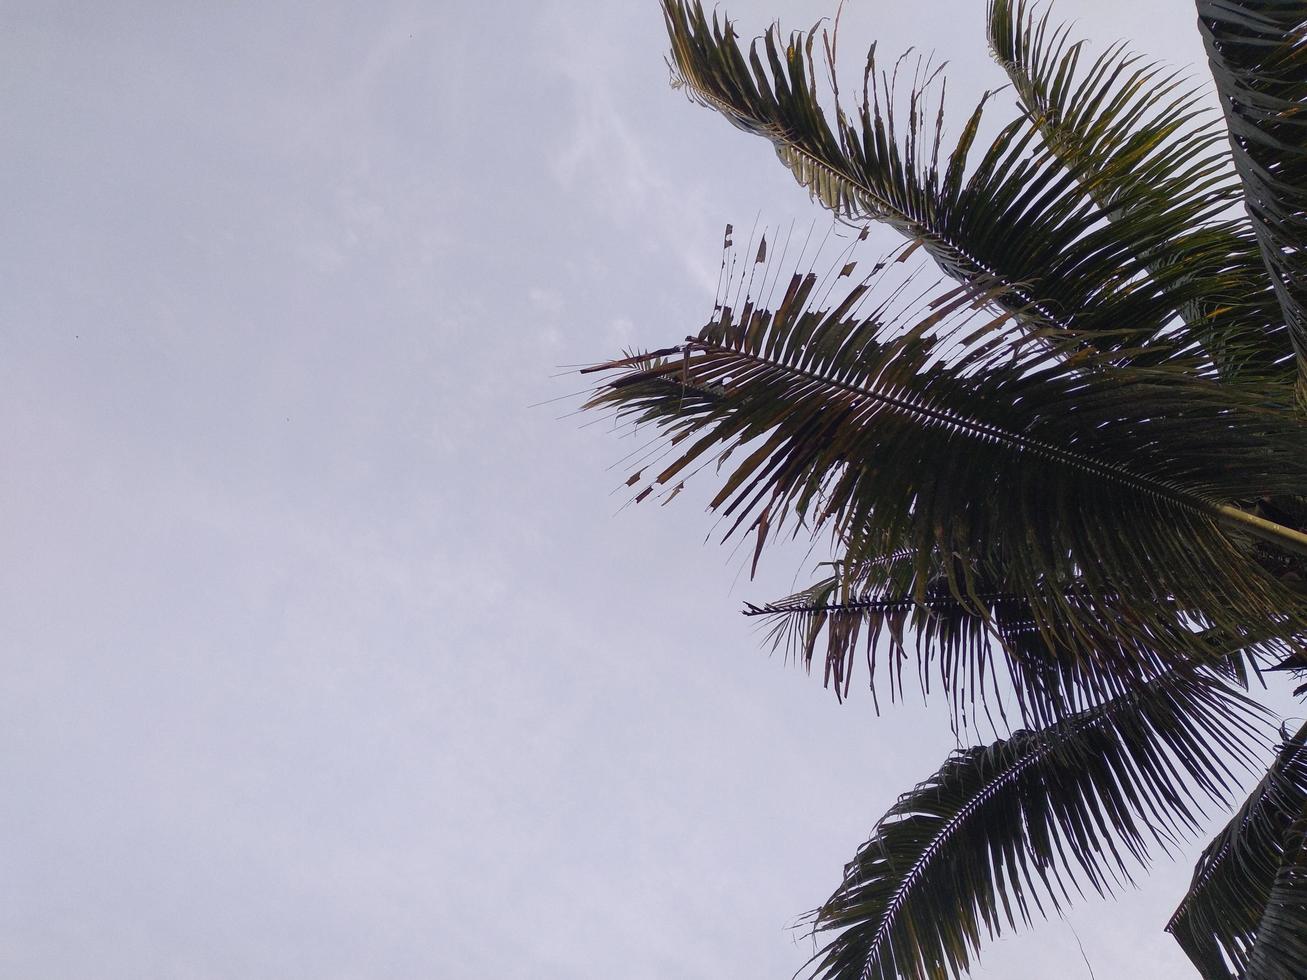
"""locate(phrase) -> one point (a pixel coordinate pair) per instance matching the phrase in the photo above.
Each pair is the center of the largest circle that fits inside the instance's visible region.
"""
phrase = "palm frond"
(1010, 214)
(1143, 146)
(970, 649)
(1234, 884)
(1074, 473)
(1006, 831)
(985, 654)
(1280, 950)
(1131, 130)
(1258, 55)
(1036, 469)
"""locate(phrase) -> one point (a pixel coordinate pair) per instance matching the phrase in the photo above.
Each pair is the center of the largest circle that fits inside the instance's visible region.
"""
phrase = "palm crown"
(1064, 477)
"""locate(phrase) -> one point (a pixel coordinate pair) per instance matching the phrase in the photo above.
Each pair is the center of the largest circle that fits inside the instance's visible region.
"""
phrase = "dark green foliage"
(1013, 829)
(1031, 449)
(1220, 919)
(1065, 483)
(1258, 55)
(1142, 146)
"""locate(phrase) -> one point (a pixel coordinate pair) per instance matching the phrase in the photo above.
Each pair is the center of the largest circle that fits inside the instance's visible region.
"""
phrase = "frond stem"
(1285, 537)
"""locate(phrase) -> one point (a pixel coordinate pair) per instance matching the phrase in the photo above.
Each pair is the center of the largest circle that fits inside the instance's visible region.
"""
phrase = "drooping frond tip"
(1233, 905)
(1013, 830)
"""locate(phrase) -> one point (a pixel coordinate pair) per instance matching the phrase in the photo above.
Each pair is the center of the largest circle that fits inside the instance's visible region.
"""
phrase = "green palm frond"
(1233, 896)
(945, 436)
(986, 654)
(1070, 472)
(1280, 949)
(1010, 214)
(1131, 130)
(971, 649)
(1258, 55)
(1143, 146)
(1006, 831)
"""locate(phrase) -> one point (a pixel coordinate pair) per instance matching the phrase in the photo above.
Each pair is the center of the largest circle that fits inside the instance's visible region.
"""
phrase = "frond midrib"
(1045, 745)
(918, 866)
(1174, 493)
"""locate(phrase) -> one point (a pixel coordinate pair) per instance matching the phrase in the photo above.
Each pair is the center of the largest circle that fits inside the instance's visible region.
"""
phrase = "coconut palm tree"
(1061, 469)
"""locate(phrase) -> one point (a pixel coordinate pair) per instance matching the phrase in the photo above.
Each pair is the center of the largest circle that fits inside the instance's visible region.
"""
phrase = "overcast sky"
(323, 654)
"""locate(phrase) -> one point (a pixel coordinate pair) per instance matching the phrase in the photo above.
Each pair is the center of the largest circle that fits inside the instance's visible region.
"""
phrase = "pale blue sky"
(323, 654)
